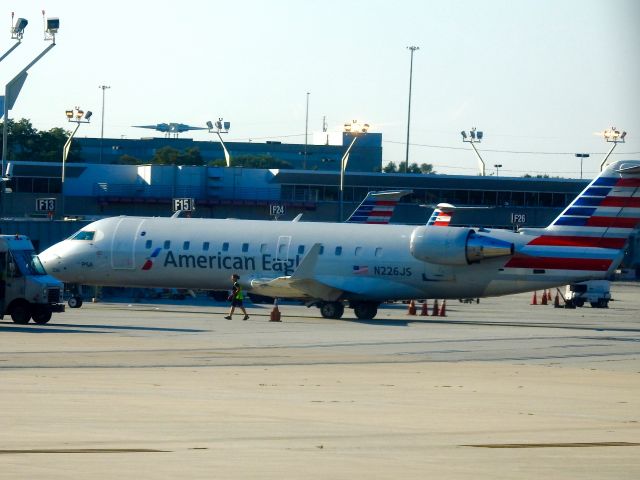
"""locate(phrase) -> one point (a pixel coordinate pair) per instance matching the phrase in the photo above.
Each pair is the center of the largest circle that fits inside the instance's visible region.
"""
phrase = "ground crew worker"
(236, 298)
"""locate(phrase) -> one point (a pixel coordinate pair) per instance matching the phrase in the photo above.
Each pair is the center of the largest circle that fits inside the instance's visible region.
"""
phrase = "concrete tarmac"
(498, 390)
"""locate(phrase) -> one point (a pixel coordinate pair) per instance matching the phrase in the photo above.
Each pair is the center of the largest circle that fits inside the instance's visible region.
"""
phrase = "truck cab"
(26, 290)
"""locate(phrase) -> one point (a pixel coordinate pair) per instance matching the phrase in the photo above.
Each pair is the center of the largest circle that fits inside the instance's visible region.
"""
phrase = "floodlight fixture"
(615, 136)
(497, 166)
(227, 125)
(209, 124)
(87, 115)
(69, 114)
(347, 127)
(17, 31)
(474, 136)
(53, 24)
(51, 27)
(221, 127)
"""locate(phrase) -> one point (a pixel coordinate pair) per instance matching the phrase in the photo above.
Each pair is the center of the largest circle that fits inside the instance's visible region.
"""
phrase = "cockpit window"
(83, 235)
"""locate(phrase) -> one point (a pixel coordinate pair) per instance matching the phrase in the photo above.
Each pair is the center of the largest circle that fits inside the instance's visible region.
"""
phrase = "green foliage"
(424, 168)
(172, 156)
(129, 160)
(26, 143)
(253, 161)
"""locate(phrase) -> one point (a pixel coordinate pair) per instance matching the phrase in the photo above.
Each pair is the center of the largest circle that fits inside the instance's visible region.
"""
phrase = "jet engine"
(455, 246)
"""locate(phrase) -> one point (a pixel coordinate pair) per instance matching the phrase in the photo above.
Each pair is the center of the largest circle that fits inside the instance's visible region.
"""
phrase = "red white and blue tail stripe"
(591, 233)
(377, 207)
(441, 216)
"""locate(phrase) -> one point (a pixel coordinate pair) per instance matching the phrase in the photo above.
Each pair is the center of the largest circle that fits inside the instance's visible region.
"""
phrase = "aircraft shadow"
(62, 328)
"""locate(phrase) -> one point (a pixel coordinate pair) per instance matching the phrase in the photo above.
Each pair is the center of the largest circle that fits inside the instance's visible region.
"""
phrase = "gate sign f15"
(184, 204)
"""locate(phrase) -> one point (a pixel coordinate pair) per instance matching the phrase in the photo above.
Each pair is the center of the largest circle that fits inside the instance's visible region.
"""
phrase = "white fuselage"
(366, 262)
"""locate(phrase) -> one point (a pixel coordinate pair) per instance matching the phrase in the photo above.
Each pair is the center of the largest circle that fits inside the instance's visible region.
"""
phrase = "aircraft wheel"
(74, 302)
(365, 310)
(579, 302)
(20, 313)
(332, 309)
(41, 316)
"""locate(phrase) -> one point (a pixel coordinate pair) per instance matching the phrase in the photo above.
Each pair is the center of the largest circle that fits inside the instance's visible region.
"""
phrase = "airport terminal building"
(95, 190)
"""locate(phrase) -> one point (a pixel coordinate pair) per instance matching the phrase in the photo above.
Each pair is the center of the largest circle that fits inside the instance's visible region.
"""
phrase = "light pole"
(355, 129)
(615, 136)
(498, 166)
(473, 137)
(12, 89)
(582, 156)
(412, 49)
(221, 127)
(17, 31)
(103, 87)
(77, 116)
(306, 132)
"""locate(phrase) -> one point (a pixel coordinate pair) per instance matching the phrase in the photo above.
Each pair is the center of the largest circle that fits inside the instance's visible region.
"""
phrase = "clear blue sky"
(534, 75)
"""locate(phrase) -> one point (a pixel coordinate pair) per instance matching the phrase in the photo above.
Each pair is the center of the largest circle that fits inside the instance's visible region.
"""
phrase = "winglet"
(308, 264)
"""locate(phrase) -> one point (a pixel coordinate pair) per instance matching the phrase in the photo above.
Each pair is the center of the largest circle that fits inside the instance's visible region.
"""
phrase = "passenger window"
(263, 248)
(245, 247)
(300, 249)
(167, 244)
(205, 246)
(186, 245)
(148, 244)
(338, 251)
(358, 251)
(321, 249)
(225, 247)
(379, 252)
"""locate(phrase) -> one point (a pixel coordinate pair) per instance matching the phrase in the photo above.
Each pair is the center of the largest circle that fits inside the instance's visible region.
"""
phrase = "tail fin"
(605, 213)
(377, 207)
(441, 216)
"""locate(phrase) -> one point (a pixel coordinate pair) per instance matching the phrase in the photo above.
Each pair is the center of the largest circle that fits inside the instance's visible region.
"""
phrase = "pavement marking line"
(85, 450)
(554, 445)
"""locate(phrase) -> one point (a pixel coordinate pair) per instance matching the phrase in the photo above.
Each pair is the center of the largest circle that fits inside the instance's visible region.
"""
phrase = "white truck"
(26, 291)
(596, 292)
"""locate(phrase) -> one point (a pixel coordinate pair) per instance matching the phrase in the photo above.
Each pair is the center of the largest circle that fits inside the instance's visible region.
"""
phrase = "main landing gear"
(363, 310)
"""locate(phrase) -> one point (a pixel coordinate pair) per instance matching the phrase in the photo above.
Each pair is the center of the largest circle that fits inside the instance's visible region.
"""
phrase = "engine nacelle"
(455, 246)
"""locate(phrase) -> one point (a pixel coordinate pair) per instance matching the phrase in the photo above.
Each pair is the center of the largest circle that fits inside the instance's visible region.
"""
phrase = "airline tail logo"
(149, 261)
(439, 218)
(592, 231)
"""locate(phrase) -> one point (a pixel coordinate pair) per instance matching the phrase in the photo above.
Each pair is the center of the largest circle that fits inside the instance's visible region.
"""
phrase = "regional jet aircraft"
(359, 265)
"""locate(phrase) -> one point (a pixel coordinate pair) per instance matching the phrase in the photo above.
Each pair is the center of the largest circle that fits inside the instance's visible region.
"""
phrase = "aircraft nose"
(51, 260)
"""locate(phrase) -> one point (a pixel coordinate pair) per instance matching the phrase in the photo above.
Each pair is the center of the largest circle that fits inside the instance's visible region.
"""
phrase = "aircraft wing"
(301, 283)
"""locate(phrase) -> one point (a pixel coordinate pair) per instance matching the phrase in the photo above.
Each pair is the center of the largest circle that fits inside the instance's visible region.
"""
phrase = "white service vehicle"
(26, 291)
(596, 292)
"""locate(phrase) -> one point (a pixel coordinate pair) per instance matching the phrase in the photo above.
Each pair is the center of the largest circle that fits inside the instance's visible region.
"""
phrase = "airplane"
(170, 128)
(331, 265)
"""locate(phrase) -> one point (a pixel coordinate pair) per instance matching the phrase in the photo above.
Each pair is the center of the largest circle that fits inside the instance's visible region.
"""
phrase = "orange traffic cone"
(436, 309)
(274, 316)
(534, 299)
(443, 310)
(544, 298)
(556, 301)
(412, 308)
(425, 309)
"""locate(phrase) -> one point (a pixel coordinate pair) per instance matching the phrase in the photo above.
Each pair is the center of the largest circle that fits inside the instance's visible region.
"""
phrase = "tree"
(390, 168)
(253, 161)
(172, 156)
(26, 143)
(129, 160)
